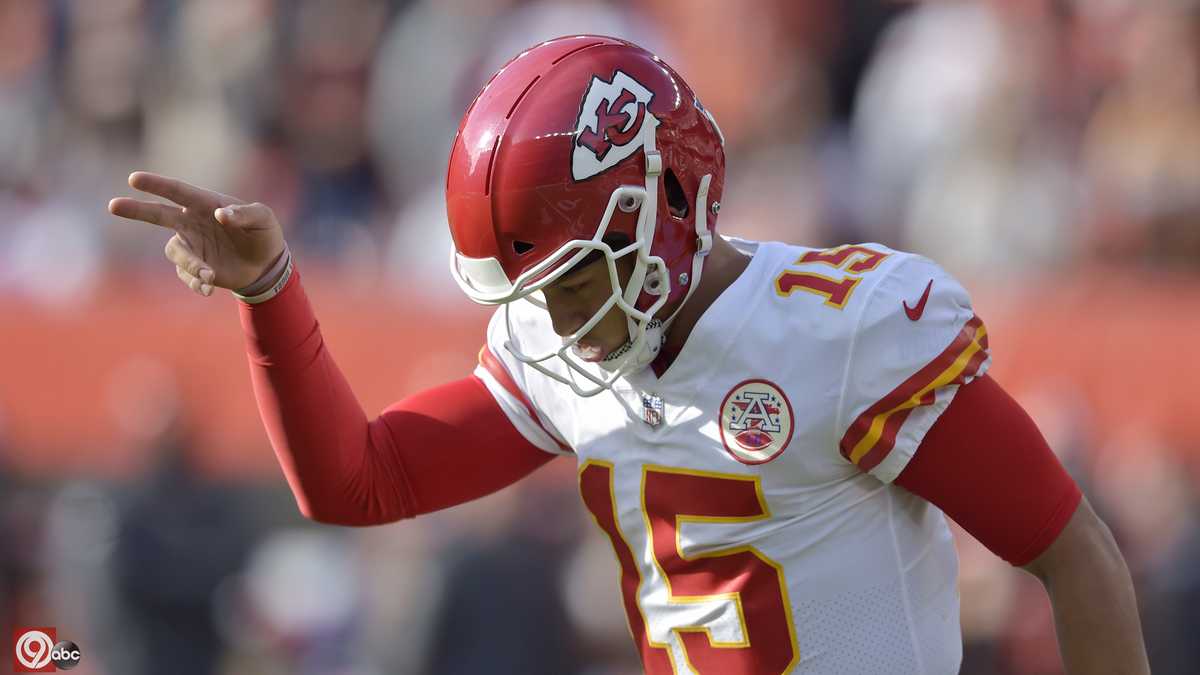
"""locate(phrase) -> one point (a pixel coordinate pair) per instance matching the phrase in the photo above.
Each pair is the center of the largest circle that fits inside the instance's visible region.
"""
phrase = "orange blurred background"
(1078, 336)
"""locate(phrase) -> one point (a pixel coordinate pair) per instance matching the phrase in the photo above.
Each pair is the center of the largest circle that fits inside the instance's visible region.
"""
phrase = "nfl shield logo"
(652, 409)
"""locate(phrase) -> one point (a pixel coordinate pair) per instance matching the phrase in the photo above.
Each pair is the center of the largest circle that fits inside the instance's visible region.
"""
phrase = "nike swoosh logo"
(914, 313)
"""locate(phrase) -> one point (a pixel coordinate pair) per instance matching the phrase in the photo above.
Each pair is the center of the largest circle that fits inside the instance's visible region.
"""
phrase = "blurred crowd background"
(1046, 152)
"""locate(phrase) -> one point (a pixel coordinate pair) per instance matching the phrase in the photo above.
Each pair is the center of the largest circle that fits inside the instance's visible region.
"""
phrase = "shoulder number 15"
(852, 261)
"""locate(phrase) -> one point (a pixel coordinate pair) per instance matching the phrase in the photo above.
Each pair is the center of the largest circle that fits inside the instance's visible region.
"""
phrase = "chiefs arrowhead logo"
(613, 118)
(613, 125)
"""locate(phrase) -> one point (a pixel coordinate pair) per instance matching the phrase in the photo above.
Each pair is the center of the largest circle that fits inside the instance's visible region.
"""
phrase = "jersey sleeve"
(986, 465)
(917, 340)
(431, 450)
(504, 377)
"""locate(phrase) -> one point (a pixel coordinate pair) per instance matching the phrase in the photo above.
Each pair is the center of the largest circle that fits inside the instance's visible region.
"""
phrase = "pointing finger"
(163, 215)
(178, 191)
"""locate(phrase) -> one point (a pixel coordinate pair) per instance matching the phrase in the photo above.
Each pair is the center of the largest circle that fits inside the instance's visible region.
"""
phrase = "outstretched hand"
(219, 240)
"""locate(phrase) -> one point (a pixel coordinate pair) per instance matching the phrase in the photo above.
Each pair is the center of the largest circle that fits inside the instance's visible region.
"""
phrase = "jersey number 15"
(741, 575)
(852, 261)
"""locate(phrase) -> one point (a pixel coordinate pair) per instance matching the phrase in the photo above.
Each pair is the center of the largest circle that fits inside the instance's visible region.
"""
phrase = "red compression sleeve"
(985, 464)
(438, 448)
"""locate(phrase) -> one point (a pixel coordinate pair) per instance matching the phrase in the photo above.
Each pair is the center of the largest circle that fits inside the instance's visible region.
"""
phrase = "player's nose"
(565, 325)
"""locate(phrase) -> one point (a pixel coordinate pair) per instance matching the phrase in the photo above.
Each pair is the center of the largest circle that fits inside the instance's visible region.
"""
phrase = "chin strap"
(656, 330)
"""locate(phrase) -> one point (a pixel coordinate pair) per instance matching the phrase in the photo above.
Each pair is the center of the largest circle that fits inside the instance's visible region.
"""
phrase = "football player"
(767, 434)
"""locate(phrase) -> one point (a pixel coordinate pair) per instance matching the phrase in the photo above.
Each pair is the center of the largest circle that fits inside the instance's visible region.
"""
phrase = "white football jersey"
(751, 508)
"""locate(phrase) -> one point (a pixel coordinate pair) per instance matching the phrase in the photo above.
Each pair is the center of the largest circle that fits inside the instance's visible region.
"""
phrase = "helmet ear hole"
(677, 201)
(522, 247)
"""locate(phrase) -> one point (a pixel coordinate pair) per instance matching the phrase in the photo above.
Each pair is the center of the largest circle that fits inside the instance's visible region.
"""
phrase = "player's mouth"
(594, 353)
(589, 351)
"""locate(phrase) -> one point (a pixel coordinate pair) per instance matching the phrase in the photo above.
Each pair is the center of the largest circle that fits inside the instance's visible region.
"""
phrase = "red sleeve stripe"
(497, 370)
(873, 434)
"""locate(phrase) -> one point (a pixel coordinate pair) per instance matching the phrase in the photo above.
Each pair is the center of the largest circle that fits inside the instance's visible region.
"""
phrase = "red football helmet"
(573, 141)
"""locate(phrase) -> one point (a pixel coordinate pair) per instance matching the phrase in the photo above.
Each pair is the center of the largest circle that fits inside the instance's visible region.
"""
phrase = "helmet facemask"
(649, 275)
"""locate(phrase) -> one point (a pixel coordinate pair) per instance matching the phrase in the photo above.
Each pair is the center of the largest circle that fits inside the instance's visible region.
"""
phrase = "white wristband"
(274, 289)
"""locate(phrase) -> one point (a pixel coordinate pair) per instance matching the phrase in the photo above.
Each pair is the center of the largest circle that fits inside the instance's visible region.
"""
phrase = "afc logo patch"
(613, 120)
(756, 421)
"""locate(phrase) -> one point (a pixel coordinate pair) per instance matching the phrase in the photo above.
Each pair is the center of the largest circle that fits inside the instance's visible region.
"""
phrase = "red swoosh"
(914, 313)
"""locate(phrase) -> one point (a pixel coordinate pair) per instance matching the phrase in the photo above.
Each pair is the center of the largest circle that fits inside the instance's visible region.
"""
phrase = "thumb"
(243, 215)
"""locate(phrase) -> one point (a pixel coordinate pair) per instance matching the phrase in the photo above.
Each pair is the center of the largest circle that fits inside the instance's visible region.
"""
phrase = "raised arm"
(432, 450)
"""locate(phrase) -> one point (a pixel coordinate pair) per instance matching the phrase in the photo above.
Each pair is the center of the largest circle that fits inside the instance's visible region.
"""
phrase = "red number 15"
(854, 260)
(741, 575)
